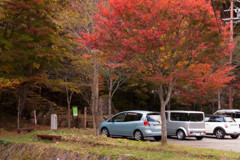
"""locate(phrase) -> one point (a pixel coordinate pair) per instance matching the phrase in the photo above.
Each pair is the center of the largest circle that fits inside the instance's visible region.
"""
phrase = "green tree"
(27, 43)
(77, 16)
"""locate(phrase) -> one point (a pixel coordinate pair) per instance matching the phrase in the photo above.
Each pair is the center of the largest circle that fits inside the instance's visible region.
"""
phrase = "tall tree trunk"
(69, 99)
(18, 113)
(163, 108)
(219, 99)
(22, 95)
(110, 98)
(95, 96)
(201, 107)
(169, 105)
(164, 125)
(213, 107)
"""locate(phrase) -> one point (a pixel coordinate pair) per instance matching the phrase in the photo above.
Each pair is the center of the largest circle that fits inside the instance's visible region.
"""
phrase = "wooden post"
(35, 119)
(85, 117)
(78, 120)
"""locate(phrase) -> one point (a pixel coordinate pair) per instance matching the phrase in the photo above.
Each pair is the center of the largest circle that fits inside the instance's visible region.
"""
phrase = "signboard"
(75, 111)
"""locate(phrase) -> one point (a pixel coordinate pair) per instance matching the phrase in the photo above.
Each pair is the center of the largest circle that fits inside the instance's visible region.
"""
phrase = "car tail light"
(204, 132)
(191, 132)
(146, 123)
(226, 126)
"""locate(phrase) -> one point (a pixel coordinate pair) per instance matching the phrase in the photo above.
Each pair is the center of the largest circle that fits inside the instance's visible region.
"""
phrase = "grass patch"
(83, 142)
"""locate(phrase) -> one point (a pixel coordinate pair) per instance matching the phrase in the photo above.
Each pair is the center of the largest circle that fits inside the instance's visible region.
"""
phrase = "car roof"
(140, 111)
(183, 111)
(217, 115)
(228, 110)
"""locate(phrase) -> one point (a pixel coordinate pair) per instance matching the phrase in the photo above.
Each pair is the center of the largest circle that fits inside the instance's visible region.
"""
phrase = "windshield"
(229, 119)
(153, 117)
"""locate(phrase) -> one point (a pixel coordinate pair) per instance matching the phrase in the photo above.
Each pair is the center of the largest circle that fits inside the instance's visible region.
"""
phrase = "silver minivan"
(185, 124)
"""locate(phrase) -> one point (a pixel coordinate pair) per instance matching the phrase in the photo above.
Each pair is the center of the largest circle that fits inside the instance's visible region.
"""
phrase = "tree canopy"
(164, 39)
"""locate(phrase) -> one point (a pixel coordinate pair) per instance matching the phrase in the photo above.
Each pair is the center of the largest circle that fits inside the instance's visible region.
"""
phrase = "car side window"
(237, 115)
(211, 119)
(179, 117)
(118, 118)
(132, 117)
(219, 119)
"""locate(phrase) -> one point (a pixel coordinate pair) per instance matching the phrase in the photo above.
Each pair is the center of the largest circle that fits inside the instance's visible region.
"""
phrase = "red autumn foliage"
(164, 39)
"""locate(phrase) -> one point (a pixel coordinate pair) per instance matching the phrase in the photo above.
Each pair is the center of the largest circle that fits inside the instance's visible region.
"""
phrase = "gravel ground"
(211, 142)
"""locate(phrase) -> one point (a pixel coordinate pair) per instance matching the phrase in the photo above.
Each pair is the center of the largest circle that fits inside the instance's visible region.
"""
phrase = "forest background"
(40, 52)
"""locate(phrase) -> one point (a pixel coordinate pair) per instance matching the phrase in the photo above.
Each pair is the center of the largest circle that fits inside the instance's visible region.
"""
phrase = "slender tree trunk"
(213, 107)
(110, 98)
(68, 117)
(22, 95)
(164, 125)
(95, 96)
(85, 117)
(169, 105)
(219, 99)
(164, 103)
(18, 113)
(69, 109)
(163, 116)
(69, 99)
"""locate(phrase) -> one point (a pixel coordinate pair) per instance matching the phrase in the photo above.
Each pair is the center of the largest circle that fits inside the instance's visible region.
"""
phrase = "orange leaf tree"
(163, 39)
(202, 83)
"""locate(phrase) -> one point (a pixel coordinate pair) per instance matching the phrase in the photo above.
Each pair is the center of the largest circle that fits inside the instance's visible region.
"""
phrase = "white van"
(234, 113)
(185, 124)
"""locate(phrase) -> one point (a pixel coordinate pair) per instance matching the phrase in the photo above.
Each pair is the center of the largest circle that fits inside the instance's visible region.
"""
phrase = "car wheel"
(181, 135)
(105, 132)
(220, 134)
(157, 138)
(138, 135)
(199, 138)
(234, 136)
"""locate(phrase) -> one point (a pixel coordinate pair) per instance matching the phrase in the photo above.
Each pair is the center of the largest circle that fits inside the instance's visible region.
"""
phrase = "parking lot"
(211, 142)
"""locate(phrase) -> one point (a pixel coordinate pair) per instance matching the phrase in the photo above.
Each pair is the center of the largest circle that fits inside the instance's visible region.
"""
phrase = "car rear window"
(229, 119)
(153, 117)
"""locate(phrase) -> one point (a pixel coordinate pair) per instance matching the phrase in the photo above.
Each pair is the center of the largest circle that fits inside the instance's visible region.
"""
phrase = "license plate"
(157, 126)
(198, 134)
